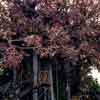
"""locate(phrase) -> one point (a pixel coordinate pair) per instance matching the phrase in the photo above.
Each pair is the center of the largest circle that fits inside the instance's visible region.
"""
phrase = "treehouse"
(38, 78)
(33, 80)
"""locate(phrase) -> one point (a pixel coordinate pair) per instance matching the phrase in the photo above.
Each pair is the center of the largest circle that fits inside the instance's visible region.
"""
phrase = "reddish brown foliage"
(12, 57)
(70, 30)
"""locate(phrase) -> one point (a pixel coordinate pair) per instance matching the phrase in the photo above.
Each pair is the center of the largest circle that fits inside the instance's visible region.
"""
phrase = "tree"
(76, 25)
(53, 28)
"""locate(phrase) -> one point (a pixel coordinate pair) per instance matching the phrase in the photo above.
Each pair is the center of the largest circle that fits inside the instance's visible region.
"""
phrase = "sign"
(43, 76)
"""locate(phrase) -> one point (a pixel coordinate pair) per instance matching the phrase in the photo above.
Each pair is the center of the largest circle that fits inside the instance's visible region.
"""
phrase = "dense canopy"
(69, 29)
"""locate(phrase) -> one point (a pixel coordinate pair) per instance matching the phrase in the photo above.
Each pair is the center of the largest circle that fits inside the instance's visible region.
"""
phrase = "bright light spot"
(95, 74)
(37, 7)
(4, 3)
(68, 10)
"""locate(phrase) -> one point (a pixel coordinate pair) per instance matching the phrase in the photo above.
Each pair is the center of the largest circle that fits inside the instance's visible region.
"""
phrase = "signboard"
(43, 76)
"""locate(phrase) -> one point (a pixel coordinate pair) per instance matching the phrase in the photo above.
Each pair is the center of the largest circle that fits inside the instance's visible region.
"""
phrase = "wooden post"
(51, 82)
(35, 75)
(57, 83)
(14, 96)
(68, 91)
(67, 68)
